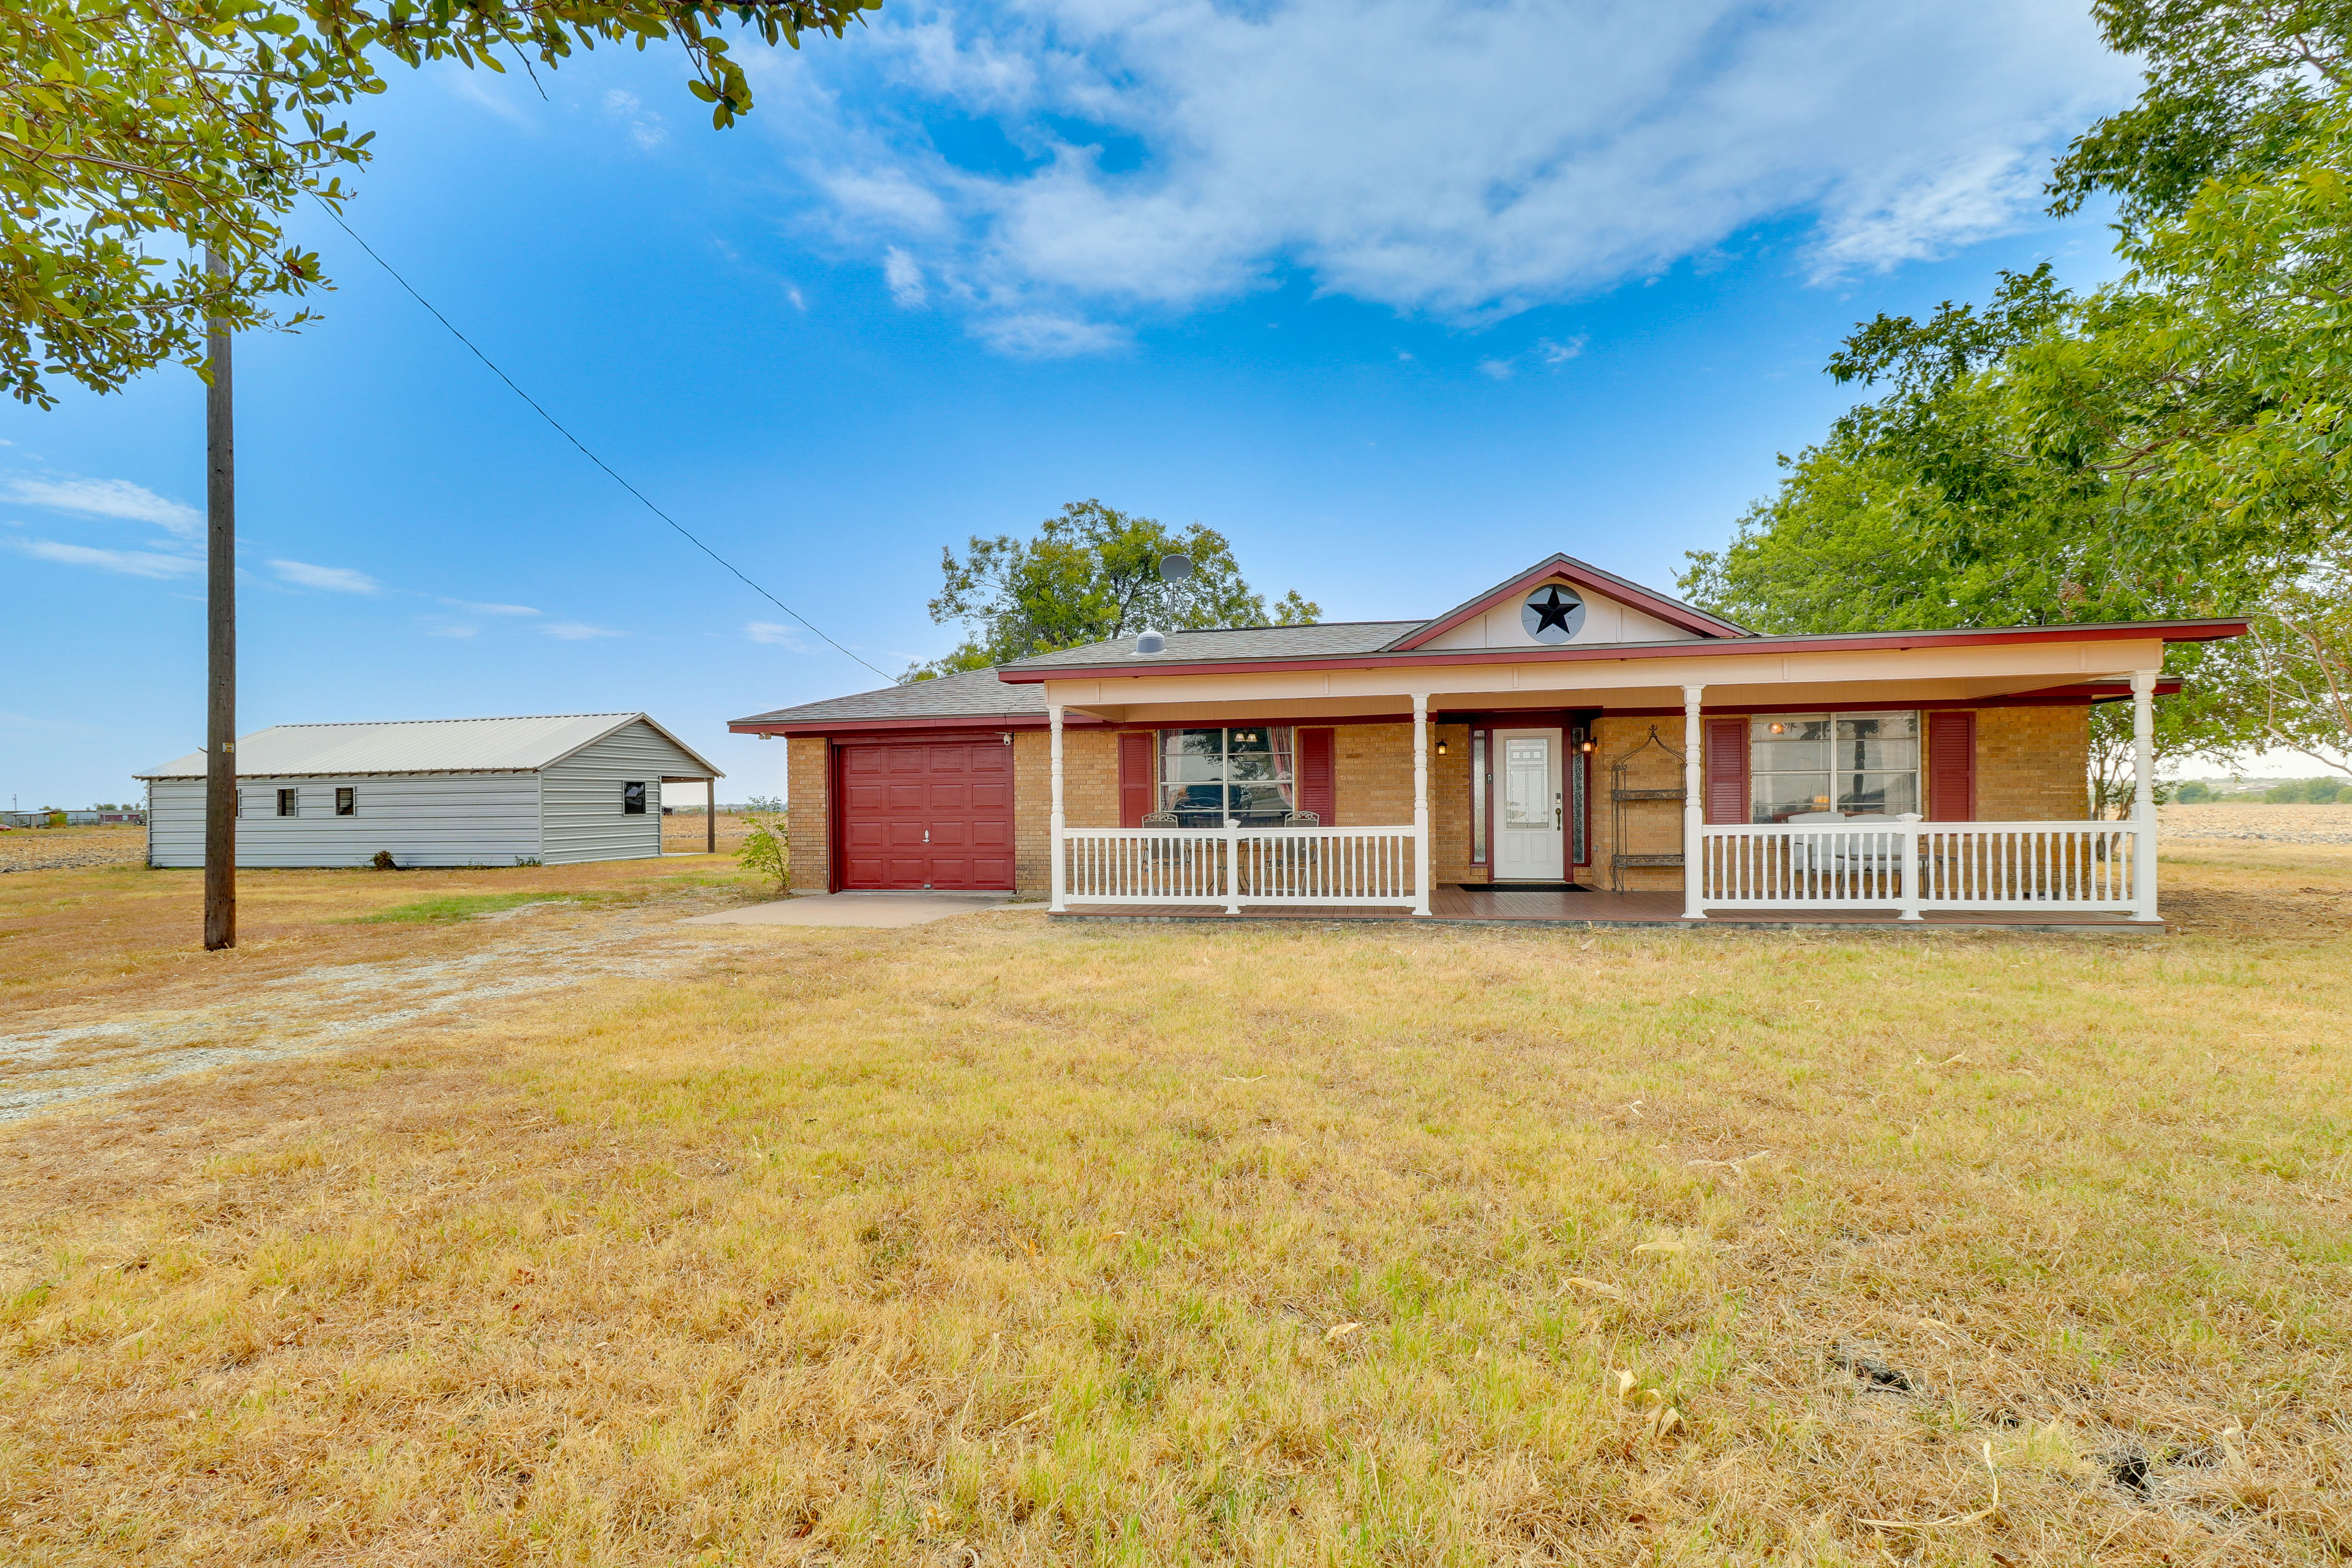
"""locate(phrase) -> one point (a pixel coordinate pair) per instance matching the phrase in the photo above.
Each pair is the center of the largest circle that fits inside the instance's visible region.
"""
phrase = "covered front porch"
(1503, 905)
(1822, 867)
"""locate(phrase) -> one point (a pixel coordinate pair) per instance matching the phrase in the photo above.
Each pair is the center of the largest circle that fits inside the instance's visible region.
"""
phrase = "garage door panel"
(931, 814)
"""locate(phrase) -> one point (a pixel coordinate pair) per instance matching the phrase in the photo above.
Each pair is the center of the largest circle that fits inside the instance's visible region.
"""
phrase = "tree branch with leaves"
(1091, 574)
(136, 133)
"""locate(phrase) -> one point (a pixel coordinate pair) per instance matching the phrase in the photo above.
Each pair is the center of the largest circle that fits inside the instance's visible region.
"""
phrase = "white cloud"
(647, 129)
(481, 609)
(577, 631)
(110, 498)
(776, 635)
(1047, 335)
(464, 83)
(1557, 355)
(130, 563)
(1500, 369)
(332, 579)
(1461, 162)
(451, 629)
(905, 276)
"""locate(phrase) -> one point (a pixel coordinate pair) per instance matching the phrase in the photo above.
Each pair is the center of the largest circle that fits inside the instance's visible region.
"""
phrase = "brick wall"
(1373, 768)
(808, 814)
(1449, 804)
(2033, 764)
(1090, 797)
(1651, 826)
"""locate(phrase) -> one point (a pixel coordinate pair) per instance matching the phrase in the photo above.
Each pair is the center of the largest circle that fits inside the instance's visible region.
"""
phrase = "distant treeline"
(2287, 791)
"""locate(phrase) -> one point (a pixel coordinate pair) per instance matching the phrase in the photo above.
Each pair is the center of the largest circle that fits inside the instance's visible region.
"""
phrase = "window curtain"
(1285, 742)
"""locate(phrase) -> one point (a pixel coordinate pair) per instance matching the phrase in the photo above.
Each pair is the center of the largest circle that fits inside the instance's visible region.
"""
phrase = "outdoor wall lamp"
(1586, 747)
(1441, 748)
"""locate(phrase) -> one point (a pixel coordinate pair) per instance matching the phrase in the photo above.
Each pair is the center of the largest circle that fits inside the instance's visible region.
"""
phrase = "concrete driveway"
(865, 909)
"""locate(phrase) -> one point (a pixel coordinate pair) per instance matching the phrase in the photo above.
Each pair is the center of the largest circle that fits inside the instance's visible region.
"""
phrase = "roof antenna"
(1172, 569)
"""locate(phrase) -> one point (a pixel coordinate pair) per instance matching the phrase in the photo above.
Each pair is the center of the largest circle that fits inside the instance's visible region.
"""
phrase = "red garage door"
(927, 813)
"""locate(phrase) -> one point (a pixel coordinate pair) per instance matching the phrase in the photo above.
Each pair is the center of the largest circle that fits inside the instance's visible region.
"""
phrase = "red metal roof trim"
(1721, 648)
(1584, 575)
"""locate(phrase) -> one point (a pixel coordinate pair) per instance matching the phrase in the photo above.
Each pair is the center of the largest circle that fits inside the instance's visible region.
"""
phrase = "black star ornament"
(1552, 610)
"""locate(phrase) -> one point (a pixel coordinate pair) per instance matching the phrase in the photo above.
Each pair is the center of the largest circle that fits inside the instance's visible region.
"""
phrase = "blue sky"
(1400, 299)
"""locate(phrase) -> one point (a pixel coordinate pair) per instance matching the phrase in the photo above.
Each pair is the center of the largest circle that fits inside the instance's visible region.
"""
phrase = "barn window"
(288, 802)
(346, 800)
(633, 799)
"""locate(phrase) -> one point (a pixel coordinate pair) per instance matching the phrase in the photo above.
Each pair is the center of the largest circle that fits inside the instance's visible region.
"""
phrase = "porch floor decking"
(1503, 906)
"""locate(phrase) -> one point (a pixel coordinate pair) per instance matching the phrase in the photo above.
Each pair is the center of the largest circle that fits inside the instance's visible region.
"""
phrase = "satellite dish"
(1175, 568)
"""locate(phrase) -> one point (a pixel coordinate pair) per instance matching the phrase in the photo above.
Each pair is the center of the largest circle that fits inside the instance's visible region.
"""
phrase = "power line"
(558, 425)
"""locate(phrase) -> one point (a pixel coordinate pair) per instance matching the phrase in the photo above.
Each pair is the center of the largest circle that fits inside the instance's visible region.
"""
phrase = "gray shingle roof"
(1331, 639)
(968, 694)
(979, 694)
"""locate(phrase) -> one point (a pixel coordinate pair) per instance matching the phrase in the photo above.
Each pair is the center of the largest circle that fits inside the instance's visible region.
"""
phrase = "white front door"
(1531, 813)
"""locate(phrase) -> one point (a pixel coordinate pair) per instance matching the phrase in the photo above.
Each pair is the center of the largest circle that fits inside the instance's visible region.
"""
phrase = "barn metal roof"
(417, 746)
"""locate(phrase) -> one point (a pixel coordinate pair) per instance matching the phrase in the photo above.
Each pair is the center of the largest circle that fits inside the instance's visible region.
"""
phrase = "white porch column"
(1054, 719)
(1694, 806)
(1421, 803)
(2144, 794)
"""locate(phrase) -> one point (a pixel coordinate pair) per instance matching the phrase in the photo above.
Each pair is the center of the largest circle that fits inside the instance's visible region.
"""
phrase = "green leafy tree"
(2292, 673)
(1091, 574)
(766, 850)
(135, 134)
(2174, 444)
(2227, 87)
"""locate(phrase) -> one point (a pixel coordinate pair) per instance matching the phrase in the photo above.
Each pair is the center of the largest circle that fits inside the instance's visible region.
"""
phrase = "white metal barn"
(434, 792)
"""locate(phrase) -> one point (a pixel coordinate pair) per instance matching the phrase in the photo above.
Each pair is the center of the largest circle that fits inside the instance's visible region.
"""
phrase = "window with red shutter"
(1951, 767)
(1319, 790)
(1138, 775)
(1726, 770)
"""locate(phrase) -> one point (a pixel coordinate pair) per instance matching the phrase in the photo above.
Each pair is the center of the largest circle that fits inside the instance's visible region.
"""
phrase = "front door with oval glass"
(1530, 809)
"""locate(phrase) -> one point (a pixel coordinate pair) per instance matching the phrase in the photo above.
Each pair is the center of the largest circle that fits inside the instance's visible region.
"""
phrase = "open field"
(56, 849)
(2258, 822)
(994, 1242)
(683, 834)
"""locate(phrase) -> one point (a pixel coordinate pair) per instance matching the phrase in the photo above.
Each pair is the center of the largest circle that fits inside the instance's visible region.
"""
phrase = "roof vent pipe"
(1151, 642)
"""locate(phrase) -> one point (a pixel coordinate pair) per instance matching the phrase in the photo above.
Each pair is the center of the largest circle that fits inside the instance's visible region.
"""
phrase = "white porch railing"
(1917, 865)
(1230, 867)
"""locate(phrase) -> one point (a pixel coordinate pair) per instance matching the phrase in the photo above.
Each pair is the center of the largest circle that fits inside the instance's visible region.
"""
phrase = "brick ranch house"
(1567, 745)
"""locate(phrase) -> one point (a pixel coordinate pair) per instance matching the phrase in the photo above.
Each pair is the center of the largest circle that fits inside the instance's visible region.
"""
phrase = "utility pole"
(220, 638)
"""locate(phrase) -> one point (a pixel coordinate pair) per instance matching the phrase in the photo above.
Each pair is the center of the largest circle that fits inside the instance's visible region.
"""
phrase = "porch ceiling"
(1888, 677)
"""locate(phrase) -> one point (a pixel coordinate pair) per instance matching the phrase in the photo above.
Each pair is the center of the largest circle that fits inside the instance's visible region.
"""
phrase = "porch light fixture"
(1780, 729)
(1441, 748)
(1586, 747)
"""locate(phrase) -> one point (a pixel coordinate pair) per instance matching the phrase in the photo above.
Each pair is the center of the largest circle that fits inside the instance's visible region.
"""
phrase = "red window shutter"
(1138, 779)
(1318, 786)
(1726, 770)
(1951, 767)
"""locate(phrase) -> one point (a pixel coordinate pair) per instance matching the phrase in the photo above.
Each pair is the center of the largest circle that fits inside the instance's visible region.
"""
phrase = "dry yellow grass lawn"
(997, 1242)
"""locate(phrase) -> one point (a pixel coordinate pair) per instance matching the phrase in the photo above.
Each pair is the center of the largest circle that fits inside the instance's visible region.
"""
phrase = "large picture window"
(1247, 775)
(1865, 764)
